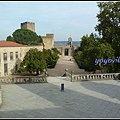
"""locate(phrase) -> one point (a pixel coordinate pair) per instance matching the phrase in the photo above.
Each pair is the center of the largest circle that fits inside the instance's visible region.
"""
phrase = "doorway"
(66, 52)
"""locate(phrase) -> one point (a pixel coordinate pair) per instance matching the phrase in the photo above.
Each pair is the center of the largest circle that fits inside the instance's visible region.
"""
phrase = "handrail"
(81, 77)
(23, 79)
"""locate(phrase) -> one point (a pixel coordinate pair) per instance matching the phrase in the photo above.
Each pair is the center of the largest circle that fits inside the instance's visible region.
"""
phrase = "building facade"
(11, 54)
(48, 41)
(66, 50)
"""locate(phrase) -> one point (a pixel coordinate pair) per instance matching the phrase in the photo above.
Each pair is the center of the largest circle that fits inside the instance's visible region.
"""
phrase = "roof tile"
(9, 44)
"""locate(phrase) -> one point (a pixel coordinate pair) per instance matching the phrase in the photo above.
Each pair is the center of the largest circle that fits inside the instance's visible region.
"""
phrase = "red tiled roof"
(9, 44)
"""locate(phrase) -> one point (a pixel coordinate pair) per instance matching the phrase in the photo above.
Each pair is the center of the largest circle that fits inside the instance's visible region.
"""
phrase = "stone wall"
(23, 79)
(28, 25)
(62, 48)
(48, 41)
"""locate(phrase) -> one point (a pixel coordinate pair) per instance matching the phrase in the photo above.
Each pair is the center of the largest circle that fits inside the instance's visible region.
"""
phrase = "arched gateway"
(66, 50)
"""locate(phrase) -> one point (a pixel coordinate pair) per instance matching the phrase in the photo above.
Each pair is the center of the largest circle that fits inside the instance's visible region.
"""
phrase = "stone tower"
(70, 41)
(48, 41)
(28, 25)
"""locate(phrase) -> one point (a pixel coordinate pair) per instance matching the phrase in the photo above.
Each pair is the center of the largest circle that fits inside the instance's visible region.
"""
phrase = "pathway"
(63, 63)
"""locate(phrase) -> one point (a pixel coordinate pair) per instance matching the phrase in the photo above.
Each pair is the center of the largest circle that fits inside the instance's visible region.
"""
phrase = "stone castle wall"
(28, 25)
(48, 41)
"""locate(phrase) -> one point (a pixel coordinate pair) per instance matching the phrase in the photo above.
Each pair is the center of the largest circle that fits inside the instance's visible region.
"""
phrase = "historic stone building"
(48, 40)
(66, 50)
(11, 53)
(28, 25)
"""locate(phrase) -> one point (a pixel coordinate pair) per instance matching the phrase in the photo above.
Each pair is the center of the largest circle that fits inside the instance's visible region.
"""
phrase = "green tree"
(33, 62)
(109, 23)
(26, 37)
(93, 49)
(9, 38)
(87, 41)
(78, 56)
(86, 57)
(56, 51)
(51, 57)
(105, 51)
(109, 26)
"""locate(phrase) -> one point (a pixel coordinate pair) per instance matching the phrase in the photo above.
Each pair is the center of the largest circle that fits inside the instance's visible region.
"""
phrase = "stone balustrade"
(22, 79)
(105, 76)
(85, 77)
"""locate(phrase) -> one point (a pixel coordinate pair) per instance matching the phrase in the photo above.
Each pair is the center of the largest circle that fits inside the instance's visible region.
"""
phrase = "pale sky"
(63, 19)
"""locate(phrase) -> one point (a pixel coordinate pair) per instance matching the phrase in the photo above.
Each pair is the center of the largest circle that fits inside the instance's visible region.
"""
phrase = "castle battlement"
(48, 36)
(48, 40)
(28, 25)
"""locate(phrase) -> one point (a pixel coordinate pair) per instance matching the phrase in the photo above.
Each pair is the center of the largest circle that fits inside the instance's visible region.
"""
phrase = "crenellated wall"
(28, 25)
(48, 41)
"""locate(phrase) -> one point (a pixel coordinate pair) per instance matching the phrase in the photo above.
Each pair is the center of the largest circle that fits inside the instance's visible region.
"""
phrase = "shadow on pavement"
(70, 104)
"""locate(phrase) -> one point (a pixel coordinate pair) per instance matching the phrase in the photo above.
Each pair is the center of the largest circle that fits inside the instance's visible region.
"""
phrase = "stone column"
(45, 74)
(72, 72)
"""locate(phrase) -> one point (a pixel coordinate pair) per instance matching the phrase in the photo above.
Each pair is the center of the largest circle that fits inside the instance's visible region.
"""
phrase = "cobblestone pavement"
(86, 99)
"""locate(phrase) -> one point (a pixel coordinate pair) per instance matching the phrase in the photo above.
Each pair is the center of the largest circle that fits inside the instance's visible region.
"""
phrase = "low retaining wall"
(85, 77)
(22, 79)
(106, 76)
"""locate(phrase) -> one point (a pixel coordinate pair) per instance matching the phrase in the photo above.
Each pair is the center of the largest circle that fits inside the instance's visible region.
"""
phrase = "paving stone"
(48, 101)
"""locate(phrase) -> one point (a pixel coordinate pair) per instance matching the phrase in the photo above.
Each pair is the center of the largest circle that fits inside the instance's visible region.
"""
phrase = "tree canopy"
(107, 44)
(36, 61)
(93, 49)
(25, 37)
(33, 62)
(109, 24)
(51, 57)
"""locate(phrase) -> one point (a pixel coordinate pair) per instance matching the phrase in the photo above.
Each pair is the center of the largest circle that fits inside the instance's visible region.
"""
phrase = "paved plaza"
(85, 99)
(88, 99)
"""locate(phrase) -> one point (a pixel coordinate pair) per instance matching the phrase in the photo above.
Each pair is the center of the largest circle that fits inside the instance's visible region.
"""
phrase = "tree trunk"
(37, 72)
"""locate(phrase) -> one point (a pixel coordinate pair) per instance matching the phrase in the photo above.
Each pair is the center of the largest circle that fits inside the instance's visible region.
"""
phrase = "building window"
(5, 68)
(11, 55)
(16, 54)
(5, 56)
